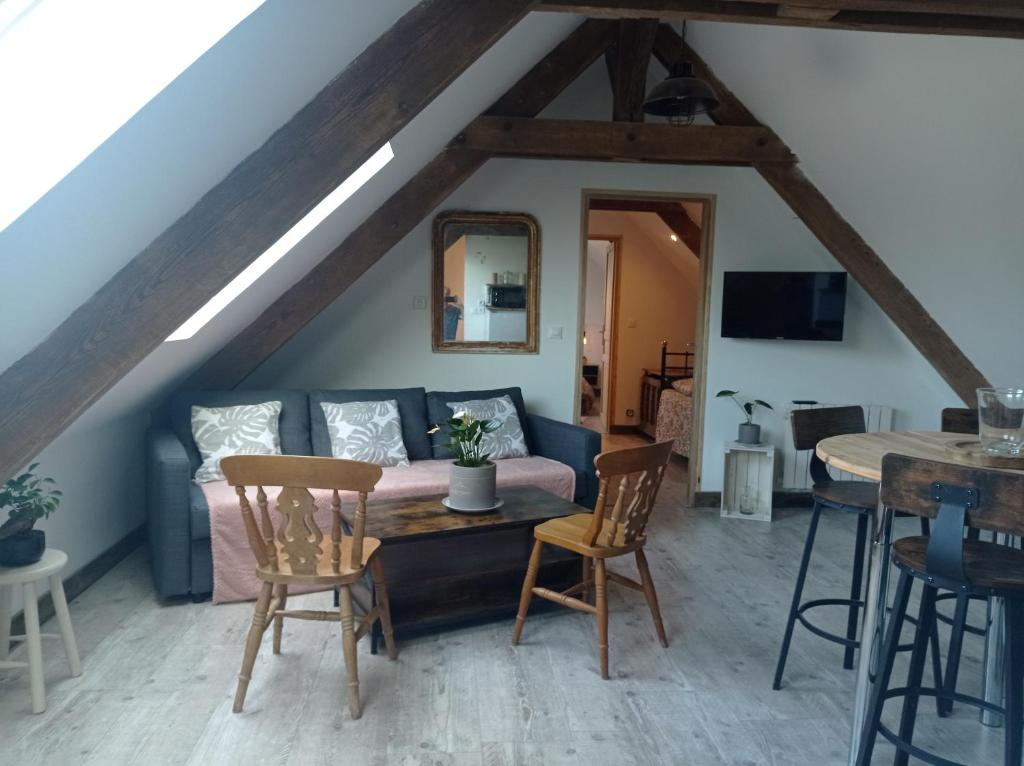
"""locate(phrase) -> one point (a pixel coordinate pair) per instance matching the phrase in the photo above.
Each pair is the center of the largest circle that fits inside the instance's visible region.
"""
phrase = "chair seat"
(856, 495)
(568, 532)
(986, 565)
(325, 574)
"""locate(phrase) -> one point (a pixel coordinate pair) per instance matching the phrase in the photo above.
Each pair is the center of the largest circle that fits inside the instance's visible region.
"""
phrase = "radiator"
(795, 473)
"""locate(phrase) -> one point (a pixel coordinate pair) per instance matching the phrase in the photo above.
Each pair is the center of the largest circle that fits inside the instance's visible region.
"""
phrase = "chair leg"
(35, 649)
(348, 639)
(855, 585)
(281, 591)
(651, 595)
(925, 623)
(886, 660)
(1014, 737)
(797, 595)
(527, 594)
(67, 633)
(252, 645)
(601, 593)
(380, 588)
(956, 643)
(588, 577)
(937, 676)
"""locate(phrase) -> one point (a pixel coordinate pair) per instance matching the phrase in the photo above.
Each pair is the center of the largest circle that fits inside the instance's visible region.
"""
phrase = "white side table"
(751, 473)
(48, 567)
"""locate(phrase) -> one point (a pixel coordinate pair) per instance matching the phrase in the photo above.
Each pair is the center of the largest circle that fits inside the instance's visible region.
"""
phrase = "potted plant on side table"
(749, 431)
(27, 498)
(473, 476)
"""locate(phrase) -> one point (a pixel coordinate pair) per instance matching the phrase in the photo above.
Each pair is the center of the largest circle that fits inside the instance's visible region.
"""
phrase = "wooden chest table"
(445, 569)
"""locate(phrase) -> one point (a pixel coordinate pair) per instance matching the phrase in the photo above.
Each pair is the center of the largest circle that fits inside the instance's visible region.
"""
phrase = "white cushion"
(508, 439)
(367, 431)
(242, 429)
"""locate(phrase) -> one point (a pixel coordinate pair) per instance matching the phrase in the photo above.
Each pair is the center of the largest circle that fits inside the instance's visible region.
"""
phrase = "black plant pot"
(22, 549)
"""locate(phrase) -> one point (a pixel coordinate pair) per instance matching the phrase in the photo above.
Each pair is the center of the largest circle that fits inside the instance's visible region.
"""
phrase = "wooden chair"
(298, 553)
(953, 497)
(959, 420)
(636, 473)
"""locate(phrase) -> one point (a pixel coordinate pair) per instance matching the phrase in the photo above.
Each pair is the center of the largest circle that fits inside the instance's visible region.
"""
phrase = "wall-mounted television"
(784, 305)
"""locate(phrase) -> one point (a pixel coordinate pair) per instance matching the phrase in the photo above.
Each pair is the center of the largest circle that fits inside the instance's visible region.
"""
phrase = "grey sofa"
(179, 519)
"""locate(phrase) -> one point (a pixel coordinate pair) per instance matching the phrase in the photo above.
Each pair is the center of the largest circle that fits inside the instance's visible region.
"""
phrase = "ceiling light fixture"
(680, 97)
(673, 237)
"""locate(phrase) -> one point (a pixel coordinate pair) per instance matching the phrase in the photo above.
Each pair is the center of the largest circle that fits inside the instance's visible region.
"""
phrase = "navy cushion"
(412, 409)
(293, 426)
(439, 412)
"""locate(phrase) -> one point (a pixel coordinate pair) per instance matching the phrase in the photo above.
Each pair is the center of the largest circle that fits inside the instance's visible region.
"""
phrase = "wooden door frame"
(608, 394)
(703, 323)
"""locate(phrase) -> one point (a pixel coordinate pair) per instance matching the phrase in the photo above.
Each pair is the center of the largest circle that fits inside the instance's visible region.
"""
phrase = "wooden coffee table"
(445, 569)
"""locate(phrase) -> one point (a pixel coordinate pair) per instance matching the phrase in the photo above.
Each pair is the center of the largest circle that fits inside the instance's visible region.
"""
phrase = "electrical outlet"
(419, 302)
(629, 413)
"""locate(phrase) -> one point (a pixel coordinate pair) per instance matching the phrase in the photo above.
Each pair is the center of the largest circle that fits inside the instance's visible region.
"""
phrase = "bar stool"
(860, 497)
(955, 497)
(48, 567)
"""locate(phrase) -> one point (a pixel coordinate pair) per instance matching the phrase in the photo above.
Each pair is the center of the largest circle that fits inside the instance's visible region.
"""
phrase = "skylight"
(291, 238)
(74, 71)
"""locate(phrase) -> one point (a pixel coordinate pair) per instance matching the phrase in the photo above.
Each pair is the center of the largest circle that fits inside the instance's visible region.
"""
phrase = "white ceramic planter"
(472, 489)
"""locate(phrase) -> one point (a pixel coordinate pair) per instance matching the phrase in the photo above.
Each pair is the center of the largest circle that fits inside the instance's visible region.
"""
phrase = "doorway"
(646, 267)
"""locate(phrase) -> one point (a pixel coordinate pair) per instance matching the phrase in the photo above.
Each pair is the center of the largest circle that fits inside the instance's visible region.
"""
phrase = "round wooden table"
(861, 455)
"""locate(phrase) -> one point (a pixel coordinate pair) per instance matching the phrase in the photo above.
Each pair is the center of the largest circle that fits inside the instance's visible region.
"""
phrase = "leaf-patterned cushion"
(508, 439)
(367, 431)
(244, 429)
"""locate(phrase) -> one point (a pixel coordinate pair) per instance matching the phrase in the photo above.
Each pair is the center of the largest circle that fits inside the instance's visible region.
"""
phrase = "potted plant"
(749, 432)
(26, 498)
(472, 478)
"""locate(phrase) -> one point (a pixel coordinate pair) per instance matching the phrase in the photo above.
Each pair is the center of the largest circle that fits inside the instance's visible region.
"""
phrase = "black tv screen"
(784, 305)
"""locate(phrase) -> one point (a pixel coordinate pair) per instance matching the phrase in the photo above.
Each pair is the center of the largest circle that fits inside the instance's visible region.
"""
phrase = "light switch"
(555, 332)
(419, 302)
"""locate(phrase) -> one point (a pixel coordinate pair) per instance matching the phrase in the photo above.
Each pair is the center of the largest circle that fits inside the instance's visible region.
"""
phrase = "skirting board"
(86, 576)
(780, 499)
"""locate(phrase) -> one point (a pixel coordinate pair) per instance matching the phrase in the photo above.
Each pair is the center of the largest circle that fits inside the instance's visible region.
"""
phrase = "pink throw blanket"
(234, 566)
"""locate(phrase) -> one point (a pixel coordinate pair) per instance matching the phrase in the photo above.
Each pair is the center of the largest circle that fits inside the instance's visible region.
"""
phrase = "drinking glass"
(1001, 420)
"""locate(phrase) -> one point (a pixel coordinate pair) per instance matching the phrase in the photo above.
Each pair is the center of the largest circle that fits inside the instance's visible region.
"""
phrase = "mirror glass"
(485, 282)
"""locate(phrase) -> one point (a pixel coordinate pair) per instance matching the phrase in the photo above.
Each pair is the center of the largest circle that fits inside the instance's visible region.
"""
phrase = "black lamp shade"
(681, 96)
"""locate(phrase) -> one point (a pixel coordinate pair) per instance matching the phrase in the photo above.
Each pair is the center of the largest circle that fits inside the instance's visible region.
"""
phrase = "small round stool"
(48, 567)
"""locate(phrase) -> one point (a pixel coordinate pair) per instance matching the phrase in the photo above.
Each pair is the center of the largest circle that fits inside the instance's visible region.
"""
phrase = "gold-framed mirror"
(486, 282)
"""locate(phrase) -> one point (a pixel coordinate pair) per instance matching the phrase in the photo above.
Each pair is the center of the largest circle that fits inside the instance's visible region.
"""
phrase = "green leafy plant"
(465, 435)
(748, 406)
(27, 498)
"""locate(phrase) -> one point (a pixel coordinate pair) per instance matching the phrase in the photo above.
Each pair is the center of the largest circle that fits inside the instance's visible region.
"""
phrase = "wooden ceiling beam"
(627, 61)
(840, 238)
(1007, 9)
(671, 213)
(398, 216)
(623, 141)
(680, 223)
(918, 20)
(379, 93)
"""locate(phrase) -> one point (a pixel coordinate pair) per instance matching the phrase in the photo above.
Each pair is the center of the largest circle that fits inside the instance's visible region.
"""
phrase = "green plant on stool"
(473, 477)
(749, 431)
(26, 498)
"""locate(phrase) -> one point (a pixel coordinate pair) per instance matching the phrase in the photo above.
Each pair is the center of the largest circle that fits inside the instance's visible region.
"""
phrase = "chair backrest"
(298, 532)
(810, 426)
(633, 476)
(954, 496)
(960, 420)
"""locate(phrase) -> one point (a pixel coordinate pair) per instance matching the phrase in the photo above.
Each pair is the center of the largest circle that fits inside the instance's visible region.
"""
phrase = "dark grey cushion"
(412, 409)
(199, 513)
(439, 412)
(293, 426)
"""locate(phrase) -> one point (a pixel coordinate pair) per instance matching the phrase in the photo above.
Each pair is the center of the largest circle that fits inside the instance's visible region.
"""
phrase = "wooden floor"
(159, 678)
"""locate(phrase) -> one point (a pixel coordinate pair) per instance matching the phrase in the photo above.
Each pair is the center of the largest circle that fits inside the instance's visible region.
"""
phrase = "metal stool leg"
(855, 585)
(797, 594)
(925, 625)
(956, 643)
(1014, 736)
(886, 660)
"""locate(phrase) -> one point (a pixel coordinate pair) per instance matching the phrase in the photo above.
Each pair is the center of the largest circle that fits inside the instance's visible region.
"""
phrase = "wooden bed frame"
(654, 382)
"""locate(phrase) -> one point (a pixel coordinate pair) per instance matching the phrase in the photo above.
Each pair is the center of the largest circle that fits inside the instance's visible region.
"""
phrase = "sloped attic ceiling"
(190, 136)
